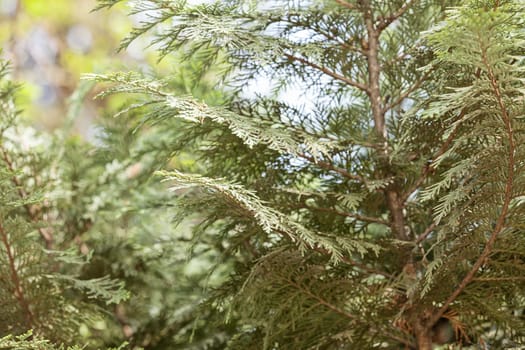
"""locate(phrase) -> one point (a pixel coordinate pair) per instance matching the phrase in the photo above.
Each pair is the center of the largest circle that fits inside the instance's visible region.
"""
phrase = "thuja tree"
(44, 299)
(78, 220)
(384, 208)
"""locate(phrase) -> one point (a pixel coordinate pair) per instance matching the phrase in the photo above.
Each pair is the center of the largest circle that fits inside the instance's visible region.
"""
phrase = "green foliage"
(38, 286)
(383, 199)
(28, 342)
(381, 202)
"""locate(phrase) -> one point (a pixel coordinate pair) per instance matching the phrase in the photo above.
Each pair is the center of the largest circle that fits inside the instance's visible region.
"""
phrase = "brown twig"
(374, 70)
(350, 215)
(328, 72)
(383, 23)
(425, 233)
(15, 278)
(45, 234)
(346, 4)
(392, 195)
(332, 167)
(407, 92)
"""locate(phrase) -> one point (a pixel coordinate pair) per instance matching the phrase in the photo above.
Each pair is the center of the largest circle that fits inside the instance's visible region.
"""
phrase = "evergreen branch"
(28, 341)
(383, 23)
(348, 261)
(45, 234)
(267, 218)
(346, 314)
(429, 166)
(407, 92)
(102, 288)
(509, 183)
(329, 72)
(15, 278)
(275, 135)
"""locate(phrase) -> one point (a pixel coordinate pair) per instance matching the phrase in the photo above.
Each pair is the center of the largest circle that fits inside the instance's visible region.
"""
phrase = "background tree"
(385, 202)
(125, 225)
(97, 210)
(50, 45)
(44, 298)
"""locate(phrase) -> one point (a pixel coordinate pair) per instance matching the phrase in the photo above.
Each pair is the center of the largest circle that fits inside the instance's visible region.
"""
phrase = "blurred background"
(52, 43)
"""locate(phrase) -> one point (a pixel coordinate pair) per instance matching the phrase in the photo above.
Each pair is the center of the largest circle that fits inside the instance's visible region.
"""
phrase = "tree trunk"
(423, 338)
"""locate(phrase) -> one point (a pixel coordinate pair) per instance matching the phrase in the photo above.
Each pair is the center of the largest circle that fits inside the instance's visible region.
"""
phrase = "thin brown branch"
(45, 234)
(407, 92)
(509, 183)
(374, 70)
(15, 278)
(330, 166)
(383, 23)
(350, 215)
(328, 72)
(346, 4)
(425, 233)
(498, 279)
